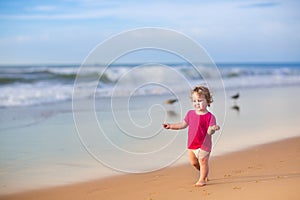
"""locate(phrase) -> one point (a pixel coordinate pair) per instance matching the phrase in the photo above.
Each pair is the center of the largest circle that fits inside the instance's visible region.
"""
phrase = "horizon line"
(141, 63)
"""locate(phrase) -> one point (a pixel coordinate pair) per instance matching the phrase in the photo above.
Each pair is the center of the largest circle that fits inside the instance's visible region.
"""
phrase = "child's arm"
(212, 129)
(176, 126)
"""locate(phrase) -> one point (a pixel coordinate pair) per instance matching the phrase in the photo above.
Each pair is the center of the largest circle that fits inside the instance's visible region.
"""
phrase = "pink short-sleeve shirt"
(197, 131)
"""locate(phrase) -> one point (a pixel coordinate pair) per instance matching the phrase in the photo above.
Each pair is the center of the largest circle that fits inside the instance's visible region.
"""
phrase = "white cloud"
(223, 27)
(43, 8)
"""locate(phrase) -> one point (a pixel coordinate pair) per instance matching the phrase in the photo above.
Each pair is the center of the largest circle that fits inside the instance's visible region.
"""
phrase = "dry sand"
(270, 171)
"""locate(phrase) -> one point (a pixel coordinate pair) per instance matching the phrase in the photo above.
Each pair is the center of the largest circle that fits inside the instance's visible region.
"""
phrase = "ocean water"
(53, 132)
(34, 85)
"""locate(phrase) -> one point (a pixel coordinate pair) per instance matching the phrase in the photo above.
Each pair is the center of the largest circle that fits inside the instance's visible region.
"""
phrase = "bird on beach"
(236, 107)
(171, 113)
(171, 101)
(236, 96)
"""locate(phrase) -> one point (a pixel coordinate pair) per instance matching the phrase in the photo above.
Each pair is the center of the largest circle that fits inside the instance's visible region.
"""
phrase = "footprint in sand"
(238, 171)
(257, 167)
(205, 193)
(96, 190)
(154, 178)
(151, 195)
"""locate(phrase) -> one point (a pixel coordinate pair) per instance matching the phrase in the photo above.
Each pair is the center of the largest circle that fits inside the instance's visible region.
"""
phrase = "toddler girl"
(202, 124)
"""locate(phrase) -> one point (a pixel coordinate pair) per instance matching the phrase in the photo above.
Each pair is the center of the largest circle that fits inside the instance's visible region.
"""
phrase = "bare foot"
(200, 184)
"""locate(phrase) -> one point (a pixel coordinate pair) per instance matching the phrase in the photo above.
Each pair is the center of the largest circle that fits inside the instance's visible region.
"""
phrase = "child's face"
(199, 102)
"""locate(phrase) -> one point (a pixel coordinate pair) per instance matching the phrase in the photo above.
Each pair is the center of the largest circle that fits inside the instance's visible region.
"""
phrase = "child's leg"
(205, 167)
(194, 160)
(204, 171)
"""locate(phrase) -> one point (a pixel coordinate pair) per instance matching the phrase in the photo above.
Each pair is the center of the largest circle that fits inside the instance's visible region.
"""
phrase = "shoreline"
(31, 160)
(252, 173)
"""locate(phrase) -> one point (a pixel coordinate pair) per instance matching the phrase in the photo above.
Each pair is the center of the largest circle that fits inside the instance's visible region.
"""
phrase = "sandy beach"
(46, 160)
(90, 92)
(269, 171)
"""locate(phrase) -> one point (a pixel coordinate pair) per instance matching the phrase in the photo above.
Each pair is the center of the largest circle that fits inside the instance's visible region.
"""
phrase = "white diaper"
(199, 153)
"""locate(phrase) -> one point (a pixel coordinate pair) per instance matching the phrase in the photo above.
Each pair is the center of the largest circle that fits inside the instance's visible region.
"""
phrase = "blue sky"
(65, 31)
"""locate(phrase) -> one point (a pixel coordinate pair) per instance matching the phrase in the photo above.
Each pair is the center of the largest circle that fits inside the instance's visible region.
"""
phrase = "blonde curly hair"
(202, 90)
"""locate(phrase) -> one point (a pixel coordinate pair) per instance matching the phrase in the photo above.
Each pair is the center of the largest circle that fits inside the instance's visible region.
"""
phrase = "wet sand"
(269, 171)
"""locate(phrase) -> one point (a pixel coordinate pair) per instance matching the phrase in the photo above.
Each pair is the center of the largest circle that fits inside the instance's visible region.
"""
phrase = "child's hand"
(166, 126)
(215, 127)
(211, 130)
